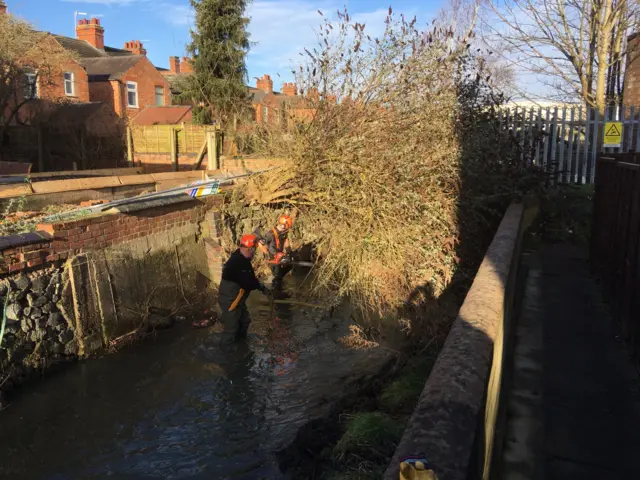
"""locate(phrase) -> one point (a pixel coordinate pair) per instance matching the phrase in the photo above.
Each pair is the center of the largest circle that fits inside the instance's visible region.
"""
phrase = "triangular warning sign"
(612, 131)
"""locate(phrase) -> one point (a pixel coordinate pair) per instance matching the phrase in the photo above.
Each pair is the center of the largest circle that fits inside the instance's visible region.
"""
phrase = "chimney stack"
(3, 7)
(136, 47)
(91, 31)
(174, 64)
(265, 84)
(186, 66)
(290, 89)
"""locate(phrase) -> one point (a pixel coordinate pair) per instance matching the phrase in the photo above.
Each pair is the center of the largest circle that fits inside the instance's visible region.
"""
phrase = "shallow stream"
(178, 406)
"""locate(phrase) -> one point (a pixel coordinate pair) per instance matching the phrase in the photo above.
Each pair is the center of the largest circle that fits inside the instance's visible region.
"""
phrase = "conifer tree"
(219, 46)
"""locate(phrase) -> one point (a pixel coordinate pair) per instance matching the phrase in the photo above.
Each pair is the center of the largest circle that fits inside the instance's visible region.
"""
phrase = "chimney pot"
(3, 7)
(91, 31)
(136, 47)
(265, 84)
(174, 64)
(186, 66)
(290, 89)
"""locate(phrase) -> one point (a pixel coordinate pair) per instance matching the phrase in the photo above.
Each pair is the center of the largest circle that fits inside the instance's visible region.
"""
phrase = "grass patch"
(367, 433)
(402, 394)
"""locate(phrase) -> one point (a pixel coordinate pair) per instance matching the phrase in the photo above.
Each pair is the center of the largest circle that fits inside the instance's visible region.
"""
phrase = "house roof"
(75, 113)
(109, 68)
(85, 50)
(258, 96)
(164, 115)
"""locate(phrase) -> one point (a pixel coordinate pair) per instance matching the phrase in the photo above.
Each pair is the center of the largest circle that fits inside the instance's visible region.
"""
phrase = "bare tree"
(462, 17)
(29, 61)
(577, 47)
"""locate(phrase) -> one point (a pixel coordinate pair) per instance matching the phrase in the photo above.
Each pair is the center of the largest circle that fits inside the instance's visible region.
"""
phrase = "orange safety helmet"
(285, 220)
(249, 240)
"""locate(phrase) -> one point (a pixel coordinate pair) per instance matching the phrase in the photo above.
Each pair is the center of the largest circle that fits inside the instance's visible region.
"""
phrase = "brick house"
(124, 79)
(269, 106)
(631, 89)
(273, 107)
(178, 68)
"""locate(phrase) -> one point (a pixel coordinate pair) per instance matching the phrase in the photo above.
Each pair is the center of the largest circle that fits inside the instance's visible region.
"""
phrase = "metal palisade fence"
(565, 140)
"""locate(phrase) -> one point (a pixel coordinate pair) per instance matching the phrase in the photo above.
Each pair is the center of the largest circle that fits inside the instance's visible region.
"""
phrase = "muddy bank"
(180, 407)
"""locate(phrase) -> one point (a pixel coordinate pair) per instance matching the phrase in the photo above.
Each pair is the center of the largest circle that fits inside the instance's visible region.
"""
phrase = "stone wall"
(72, 288)
(38, 331)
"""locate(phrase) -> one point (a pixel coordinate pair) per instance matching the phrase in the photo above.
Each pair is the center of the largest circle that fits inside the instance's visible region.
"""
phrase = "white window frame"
(71, 82)
(265, 113)
(132, 87)
(161, 88)
(32, 79)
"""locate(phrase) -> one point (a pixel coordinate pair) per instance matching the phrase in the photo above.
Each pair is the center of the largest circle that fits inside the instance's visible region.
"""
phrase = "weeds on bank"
(566, 215)
(15, 219)
(369, 433)
(402, 394)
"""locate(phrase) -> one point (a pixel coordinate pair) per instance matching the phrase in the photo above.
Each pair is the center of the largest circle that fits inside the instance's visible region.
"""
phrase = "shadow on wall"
(57, 136)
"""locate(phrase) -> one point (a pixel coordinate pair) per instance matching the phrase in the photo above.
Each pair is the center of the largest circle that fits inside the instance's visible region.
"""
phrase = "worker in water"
(238, 281)
(275, 244)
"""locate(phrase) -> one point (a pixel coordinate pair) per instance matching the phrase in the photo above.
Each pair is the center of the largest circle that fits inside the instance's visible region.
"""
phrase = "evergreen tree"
(219, 46)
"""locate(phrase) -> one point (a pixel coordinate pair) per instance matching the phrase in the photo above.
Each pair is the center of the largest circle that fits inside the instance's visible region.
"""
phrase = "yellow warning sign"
(612, 134)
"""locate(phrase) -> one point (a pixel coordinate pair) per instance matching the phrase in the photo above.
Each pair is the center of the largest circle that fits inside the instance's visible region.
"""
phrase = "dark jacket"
(274, 241)
(237, 273)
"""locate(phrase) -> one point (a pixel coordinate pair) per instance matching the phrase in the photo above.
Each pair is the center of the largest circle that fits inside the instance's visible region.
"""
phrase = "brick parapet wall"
(59, 241)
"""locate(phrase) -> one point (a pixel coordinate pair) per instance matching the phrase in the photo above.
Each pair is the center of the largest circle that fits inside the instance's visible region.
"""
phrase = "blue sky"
(281, 28)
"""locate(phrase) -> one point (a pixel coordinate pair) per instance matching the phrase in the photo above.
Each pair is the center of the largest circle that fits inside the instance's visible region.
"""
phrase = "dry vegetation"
(401, 175)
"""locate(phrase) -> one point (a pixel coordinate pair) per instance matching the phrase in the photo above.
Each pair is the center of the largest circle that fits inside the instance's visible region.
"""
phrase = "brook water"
(179, 407)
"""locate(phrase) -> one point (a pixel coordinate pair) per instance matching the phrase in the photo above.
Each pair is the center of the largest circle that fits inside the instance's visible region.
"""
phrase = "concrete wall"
(74, 287)
(40, 194)
(455, 421)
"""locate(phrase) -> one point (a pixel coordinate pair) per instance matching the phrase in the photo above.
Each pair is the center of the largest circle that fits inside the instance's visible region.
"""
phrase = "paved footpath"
(574, 408)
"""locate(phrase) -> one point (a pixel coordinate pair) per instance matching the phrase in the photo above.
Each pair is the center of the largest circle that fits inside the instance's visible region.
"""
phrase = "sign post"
(612, 135)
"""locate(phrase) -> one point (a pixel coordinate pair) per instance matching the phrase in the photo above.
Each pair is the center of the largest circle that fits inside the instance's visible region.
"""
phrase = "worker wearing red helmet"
(277, 247)
(238, 281)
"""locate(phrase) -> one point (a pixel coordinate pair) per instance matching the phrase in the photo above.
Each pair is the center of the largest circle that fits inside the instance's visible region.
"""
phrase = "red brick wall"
(102, 92)
(53, 88)
(60, 241)
(631, 94)
(148, 78)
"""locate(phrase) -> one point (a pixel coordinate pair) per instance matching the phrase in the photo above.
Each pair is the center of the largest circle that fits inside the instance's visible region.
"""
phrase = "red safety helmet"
(249, 240)
(285, 220)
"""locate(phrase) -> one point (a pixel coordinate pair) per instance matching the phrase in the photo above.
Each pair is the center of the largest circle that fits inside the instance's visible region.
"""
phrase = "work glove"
(265, 290)
(286, 260)
(416, 469)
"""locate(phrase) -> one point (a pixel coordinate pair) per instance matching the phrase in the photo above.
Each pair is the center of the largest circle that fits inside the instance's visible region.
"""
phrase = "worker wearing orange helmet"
(275, 244)
(238, 281)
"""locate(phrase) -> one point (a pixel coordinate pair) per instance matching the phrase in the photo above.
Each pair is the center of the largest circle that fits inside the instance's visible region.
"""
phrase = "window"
(69, 89)
(132, 94)
(265, 114)
(30, 86)
(160, 96)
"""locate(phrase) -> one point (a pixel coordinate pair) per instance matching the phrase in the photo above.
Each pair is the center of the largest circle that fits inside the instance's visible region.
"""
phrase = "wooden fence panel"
(157, 138)
(615, 242)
